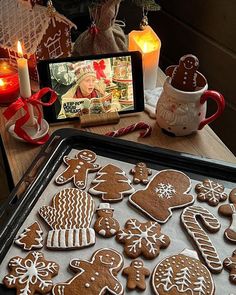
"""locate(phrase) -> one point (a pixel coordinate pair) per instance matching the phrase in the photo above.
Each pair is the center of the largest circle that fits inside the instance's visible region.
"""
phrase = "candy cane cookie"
(189, 219)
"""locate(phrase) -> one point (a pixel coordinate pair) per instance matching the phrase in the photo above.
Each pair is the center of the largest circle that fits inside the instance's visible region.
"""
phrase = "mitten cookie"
(140, 173)
(184, 274)
(106, 225)
(78, 168)
(230, 211)
(142, 239)
(32, 274)
(31, 238)
(230, 265)
(111, 184)
(136, 275)
(189, 219)
(210, 192)
(69, 217)
(95, 277)
(167, 190)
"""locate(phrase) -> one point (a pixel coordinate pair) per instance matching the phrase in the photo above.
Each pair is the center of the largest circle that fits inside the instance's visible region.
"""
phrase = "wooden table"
(204, 143)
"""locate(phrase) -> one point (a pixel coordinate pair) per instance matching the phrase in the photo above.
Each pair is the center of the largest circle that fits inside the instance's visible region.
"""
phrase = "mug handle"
(219, 99)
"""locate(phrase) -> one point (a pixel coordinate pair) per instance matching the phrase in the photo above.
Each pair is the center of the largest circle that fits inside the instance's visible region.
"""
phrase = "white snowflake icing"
(165, 190)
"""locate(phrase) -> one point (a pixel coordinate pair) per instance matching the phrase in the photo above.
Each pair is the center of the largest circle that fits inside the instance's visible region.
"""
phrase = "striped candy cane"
(137, 126)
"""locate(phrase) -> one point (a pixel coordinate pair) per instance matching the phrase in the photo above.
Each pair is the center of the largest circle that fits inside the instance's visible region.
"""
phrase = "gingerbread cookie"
(69, 217)
(230, 265)
(78, 168)
(201, 239)
(111, 184)
(136, 274)
(229, 210)
(106, 225)
(140, 173)
(31, 238)
(166, 191)
(95, 277)
(184, 274)
(210, 192)
(30, 275)
(142, 238)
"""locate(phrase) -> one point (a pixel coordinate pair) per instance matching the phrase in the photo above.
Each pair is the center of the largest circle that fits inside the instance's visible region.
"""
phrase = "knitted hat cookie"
(69, 217)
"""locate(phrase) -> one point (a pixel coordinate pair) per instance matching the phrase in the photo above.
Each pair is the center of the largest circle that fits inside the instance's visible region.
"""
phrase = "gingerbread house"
(44, 33)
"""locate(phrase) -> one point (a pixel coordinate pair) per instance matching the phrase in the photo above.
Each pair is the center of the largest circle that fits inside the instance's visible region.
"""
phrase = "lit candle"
(148, 43)
(9, 84)
(25, 89)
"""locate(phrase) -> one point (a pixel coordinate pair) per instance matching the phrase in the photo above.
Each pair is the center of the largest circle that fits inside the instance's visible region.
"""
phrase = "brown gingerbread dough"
(140, 173)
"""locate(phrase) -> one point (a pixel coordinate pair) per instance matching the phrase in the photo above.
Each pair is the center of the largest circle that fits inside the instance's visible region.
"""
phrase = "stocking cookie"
(31, 238)
(95, 277)
(142, 239)
(184, 274)
(136, 275)
(111, 184)
(32, 274)
(230, 211)
(166, 191)
(69, 217)
(210, 192)
(78, 168)
(140, 173)
(201, 239)
(106, 225)
(230, 265)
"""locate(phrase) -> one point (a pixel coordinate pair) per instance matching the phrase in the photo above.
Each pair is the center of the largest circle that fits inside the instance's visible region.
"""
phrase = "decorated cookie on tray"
(31, 238)
(189, 218)
(229, 210)
(230, 266)
(211, 192)
(184, 274)
(106, 225)
(69, 217)
(142, 238)
(78, 168)
(95, 277)
(31, 275)
(167, 190)
(111, 184)
(141, 173)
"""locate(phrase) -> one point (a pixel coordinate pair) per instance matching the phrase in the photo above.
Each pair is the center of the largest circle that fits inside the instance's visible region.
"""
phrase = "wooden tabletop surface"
(204, 143)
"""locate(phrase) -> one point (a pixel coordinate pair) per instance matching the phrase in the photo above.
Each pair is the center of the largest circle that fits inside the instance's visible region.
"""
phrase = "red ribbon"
(99, 67)
(34, 100)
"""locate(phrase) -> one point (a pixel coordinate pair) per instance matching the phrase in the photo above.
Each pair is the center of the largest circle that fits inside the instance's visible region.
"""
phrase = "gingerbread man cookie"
(142, 238)
(32, 274)
(78, 168)
(69, 217)
(137, 274)
(210, 192)
(106, 225)
(140, 173)
(95, 277)
(167, 190)
(229, 210)
(230, 265)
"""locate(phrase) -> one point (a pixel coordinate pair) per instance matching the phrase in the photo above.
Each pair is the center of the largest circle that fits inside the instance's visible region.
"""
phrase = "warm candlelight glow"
(1, 82)
(19, 49)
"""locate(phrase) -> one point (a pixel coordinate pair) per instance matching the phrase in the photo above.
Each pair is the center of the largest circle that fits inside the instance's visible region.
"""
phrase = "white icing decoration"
(165, 190)
(211, 187)
(87, 285)
(36, 243)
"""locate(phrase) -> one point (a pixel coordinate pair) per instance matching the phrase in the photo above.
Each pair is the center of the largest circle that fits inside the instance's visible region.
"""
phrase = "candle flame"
(19, 49)
(1, 82)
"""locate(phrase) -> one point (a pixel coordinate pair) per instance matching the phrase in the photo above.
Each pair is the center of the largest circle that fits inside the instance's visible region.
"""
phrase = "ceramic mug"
(182, 113)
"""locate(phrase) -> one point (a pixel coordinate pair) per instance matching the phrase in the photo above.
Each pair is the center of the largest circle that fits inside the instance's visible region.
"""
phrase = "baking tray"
(26, 194)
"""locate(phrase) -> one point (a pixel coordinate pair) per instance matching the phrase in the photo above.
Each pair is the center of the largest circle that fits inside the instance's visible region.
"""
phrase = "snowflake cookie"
(142, 239)
(211, 192)
(32, 274)
(167, 190)
(182, 273)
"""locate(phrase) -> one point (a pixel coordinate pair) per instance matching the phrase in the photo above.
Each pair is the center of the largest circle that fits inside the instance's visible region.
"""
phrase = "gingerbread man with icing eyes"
(140, 173)
(78, 168)
(94, 277)
(137, 274)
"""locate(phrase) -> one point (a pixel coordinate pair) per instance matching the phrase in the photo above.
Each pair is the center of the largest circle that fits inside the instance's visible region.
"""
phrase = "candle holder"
(9, 82)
